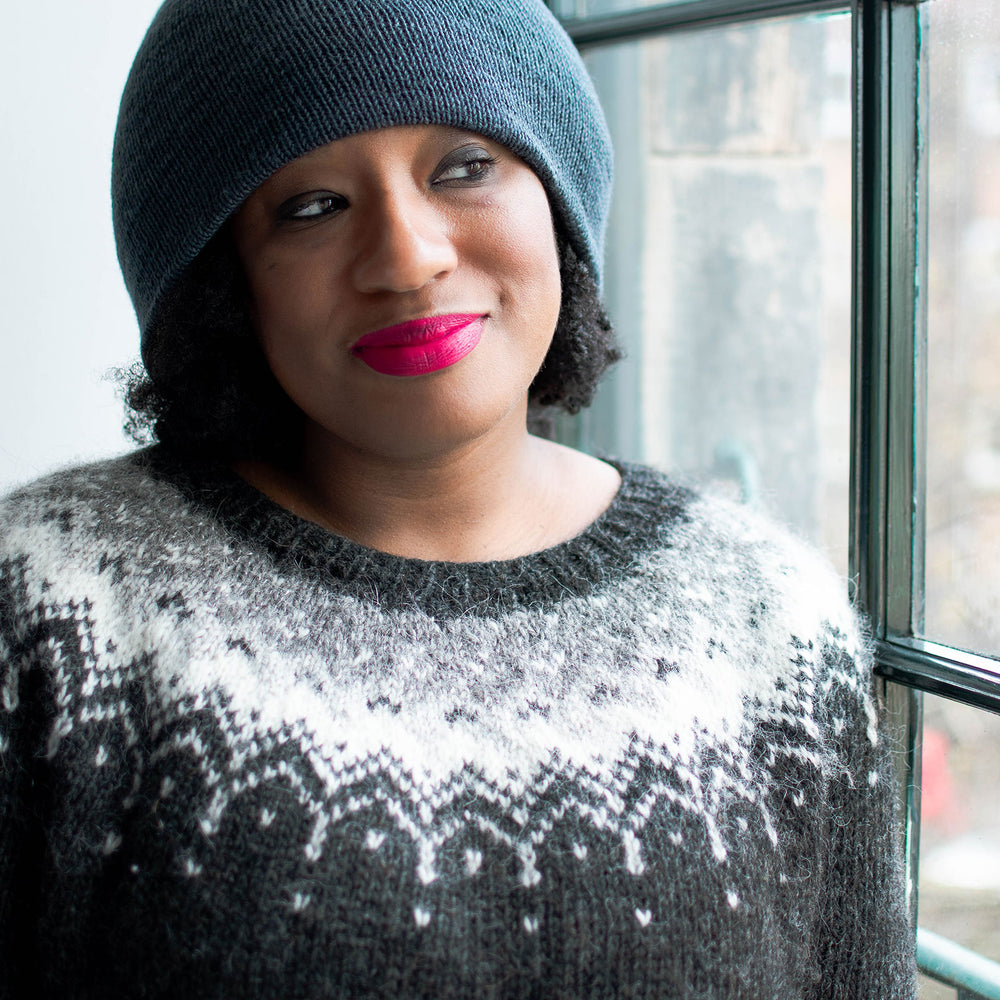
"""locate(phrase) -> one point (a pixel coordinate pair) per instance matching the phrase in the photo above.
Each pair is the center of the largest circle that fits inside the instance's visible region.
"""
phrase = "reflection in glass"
(963, 425)
(729, 263)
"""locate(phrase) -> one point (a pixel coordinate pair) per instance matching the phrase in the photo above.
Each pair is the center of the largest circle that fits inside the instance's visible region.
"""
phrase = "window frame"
(888, 344)
(890, 360)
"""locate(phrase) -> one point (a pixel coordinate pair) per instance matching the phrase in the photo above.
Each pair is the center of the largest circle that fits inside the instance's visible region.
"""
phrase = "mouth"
(420, 346)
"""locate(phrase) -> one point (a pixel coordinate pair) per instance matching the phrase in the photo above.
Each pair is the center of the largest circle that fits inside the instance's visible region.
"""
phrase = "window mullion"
(869, 342)
(884, 458)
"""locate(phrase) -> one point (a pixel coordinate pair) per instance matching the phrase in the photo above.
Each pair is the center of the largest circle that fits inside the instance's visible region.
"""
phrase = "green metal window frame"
(888, 390)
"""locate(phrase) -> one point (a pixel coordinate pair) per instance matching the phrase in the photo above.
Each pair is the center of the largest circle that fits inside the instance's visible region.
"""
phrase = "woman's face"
(405, 287)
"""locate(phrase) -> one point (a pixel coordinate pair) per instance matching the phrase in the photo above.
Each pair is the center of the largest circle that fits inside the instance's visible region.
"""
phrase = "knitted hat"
(224, 92)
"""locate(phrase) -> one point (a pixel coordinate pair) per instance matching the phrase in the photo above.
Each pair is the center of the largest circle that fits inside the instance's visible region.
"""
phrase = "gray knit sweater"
(242, 757)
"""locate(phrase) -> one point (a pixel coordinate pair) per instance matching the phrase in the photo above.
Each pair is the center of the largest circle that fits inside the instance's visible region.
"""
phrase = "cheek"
(289, 303)
(529, 247)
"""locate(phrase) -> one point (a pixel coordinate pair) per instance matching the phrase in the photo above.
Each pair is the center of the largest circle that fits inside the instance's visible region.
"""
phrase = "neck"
(498, 496)
(464, 504)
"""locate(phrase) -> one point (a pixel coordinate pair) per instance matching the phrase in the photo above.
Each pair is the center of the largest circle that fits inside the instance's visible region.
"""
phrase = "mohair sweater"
(242, 757)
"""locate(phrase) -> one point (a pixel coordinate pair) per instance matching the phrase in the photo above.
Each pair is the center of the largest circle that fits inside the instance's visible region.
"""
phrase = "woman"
(352, 687)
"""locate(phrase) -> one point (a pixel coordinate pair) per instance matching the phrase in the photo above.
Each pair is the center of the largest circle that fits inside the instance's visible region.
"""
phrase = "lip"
(420, 346)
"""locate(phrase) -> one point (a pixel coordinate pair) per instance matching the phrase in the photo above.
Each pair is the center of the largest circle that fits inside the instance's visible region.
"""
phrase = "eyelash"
(478, 161)
(466, 158)
(292, 211)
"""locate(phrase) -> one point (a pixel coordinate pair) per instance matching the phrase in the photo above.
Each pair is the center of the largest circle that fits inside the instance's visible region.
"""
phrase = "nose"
(403, 243)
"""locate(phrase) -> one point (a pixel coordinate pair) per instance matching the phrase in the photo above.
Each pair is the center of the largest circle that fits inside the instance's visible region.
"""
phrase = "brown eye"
(312, 206)
(467, 165)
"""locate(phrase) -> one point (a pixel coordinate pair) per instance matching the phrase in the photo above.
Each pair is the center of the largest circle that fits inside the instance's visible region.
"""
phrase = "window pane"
(963, 420)
(729, 263)
(959, 894)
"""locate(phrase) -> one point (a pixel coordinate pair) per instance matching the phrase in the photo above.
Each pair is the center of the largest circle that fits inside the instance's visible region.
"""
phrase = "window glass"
(729, 263)
(963, 415)
(960, 830)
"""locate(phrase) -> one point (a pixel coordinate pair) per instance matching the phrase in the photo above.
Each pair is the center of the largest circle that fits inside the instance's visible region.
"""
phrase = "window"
(804, 259)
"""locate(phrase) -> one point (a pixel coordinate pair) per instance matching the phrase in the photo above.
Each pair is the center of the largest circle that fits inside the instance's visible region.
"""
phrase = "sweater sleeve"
(863, 943)
(23, 722)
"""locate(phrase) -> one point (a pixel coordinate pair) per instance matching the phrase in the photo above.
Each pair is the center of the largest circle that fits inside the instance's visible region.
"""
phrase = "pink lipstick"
(420, 346)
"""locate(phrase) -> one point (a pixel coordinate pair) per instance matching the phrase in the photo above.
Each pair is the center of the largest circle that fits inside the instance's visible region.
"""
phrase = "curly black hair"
(206, 388)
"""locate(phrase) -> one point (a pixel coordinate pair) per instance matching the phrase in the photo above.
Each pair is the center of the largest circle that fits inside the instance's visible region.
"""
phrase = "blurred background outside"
(960, 829)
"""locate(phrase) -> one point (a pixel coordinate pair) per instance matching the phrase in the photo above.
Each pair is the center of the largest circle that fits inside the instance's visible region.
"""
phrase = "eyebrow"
(453, 132)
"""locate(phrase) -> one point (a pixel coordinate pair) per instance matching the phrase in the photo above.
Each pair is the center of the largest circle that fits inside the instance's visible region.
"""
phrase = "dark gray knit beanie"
(224, 92)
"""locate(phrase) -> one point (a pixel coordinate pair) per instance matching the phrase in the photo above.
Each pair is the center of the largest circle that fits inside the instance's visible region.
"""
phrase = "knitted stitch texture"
(243, 757)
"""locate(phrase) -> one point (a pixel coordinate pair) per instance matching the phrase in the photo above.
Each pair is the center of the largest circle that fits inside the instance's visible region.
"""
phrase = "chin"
(425, 429)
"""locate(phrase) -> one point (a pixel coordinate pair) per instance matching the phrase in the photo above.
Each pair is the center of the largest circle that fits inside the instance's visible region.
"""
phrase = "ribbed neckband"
(641, 516)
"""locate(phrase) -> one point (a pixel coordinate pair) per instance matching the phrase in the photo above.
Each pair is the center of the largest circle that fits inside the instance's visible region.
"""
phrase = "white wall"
(66, 318)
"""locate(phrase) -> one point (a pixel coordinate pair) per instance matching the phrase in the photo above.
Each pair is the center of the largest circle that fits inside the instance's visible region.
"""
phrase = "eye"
(314, 205)
(467, 165)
